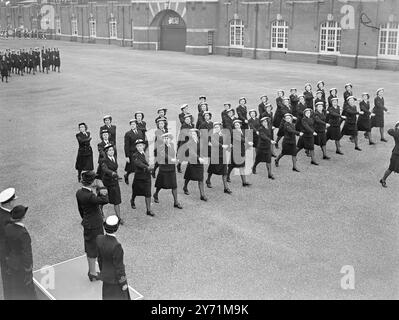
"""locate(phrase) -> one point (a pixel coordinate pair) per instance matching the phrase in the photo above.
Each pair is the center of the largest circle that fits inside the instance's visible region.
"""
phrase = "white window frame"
(57, 26)
(74, 27)
(330, 37)
(388, 40)
(92, 28)
(279, 35)
(113, 29)
(236, 33)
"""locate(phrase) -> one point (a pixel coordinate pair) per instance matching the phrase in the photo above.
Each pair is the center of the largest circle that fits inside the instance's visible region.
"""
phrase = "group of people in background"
(28, 61)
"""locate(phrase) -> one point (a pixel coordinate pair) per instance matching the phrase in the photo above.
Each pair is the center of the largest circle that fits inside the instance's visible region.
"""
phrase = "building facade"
(353, 33)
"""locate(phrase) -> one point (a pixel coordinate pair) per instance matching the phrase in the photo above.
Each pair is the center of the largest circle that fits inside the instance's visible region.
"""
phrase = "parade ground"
(282, 239)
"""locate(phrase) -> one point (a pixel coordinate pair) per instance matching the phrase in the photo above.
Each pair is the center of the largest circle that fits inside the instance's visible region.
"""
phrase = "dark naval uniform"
(5, 218)
(130, 147)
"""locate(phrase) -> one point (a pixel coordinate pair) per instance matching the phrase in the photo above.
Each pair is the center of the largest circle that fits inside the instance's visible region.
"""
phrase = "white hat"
(7, 195)
(184, 106)
(380, 89)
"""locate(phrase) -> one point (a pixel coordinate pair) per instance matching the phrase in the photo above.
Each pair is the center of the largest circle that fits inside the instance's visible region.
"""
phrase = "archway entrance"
(173, 32)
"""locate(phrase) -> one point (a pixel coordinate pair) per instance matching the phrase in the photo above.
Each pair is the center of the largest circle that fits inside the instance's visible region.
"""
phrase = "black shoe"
(276, 145)
(93, 277)
(326, 158)
(358, 149)
(339, 152)
(156, 200)
(383, 183)
(276, 163)
(314, 163)
(295, 169)
(246, 184)
(384, 140)
(178, 205)
(253, 170)
(228, 191)
(271, 177)
(179, 168)
(371, 143)
(133, 205)
(126, 179)
(208, 184)
(186, 191)
(150, 213)
(203, 198)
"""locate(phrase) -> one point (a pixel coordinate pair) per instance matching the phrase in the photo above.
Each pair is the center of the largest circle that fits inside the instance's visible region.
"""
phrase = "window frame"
(279, 35)
(326, 32)
(236, 41)
(112, 23)
(58, 26)
(390, 31)
(74, 22)
(92, 22)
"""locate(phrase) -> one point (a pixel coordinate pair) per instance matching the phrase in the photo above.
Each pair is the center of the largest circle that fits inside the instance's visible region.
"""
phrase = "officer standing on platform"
(19, 256)
(110, 260)
(7, 203)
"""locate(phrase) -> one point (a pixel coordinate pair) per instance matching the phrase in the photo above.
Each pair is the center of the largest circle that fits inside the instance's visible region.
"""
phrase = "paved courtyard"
(282, 239)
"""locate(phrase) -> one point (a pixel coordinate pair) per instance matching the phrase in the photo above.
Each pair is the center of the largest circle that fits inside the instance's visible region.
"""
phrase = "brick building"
(362, 33)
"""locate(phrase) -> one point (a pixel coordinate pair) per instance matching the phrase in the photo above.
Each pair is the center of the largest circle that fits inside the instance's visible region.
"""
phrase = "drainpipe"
(358, 34)
(256, 29)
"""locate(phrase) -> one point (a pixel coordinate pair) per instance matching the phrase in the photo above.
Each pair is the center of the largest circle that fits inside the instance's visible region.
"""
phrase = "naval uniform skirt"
(334, 133)
(364, 124)
(90, 236)
(349, 129)
(113, 291)
(166, 179)
(141, 187)
(306, 143)
(394, 164)
(263, 155)
(84, 163)
(218, 169)
(194, 172)
(377, 121)
(114, 194)
(289, 149)
(320, 139)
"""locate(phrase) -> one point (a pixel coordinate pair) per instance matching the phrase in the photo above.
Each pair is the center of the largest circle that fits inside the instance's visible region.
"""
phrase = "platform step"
(331, 60)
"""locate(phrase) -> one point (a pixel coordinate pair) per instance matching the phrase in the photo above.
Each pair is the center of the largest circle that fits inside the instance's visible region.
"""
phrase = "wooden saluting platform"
(68, 280)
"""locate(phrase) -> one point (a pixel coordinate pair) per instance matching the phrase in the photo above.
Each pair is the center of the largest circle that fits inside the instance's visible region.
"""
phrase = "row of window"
(330, 36)
(113, 30)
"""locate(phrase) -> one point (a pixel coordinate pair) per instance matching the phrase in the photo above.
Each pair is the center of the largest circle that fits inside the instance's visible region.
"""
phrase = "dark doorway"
(173, 32)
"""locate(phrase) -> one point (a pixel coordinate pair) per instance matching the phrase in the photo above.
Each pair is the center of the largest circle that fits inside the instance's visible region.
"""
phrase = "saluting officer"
(19, 256)
(110, 261)
(7, 203)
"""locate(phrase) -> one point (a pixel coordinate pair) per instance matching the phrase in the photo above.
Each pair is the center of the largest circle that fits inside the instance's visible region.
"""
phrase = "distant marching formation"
(314, 119)
(28, 61)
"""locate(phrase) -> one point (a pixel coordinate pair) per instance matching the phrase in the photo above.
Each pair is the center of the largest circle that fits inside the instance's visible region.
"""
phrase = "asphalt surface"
(282, 239)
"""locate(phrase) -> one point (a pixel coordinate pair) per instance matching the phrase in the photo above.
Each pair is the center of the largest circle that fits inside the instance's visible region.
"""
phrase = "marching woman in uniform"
(228, 121)
(284, 109)
(333, 94)
(319, 98)
(300, 108)
(200, 119)
(195, 166)
(263, 148)
(320, 87)
(166, 178)
(379, 109)
(347, 93)
(110, 261)
(242, 112)
(162, 114)
(131, 137)
(202, 100)
(101, 153)
(262, 106)
(334, 120)
(218, 157)
(320, 126)
(84, 160)
(307, 140)
(278, 115)
(184, 136)
(158, 140)
(223, 115)
(238, 151)
(294, 99)
(109, 127)
(183, 113)
(109, 169)
(142, 177)
(350, 126)
(57, 60)
(364, 122)
(308, 95)
(394, 163)
(3, 69)
(269, 114)
(254, 125)
(141, 124)
(289, 142)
